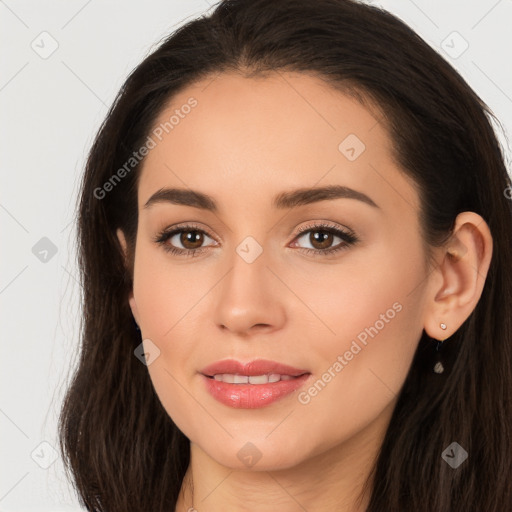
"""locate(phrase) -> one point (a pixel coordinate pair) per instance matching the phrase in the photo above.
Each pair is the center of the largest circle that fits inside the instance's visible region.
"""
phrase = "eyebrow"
(284, 200)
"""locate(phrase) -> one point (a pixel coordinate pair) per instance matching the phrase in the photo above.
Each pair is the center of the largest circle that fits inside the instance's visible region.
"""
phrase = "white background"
(50, 110)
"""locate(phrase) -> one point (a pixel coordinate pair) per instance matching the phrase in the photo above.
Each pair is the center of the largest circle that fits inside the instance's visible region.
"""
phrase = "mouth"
(252, 385)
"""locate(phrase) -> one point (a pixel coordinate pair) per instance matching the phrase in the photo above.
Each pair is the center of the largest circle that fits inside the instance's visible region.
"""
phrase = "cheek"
(170, 298)
(372, 297)
(365, 364)
(361, 369)
(371, 308)
(376, 324)
(166, 293)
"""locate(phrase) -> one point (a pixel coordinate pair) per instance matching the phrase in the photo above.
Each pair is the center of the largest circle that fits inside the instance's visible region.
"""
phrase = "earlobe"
(460, 277)
(131, 299)
(122, 240)
(133, 307)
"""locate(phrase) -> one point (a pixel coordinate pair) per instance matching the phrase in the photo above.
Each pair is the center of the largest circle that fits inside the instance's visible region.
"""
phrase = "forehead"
(228, 133)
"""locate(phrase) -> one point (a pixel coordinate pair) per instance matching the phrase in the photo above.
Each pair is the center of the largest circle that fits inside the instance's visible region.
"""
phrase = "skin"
(245, 141)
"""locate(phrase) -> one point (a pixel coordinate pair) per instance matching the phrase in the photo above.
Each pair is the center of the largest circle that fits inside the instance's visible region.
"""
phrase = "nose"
(250, 297)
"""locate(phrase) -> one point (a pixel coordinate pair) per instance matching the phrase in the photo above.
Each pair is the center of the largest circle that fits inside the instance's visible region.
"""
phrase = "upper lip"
(255, 367)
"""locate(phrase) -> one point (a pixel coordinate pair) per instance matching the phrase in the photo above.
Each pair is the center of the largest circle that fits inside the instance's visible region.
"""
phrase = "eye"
(189, 236)
(322, 235)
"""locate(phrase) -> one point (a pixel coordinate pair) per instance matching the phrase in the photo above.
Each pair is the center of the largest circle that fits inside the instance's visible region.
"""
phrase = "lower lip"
(252, 396)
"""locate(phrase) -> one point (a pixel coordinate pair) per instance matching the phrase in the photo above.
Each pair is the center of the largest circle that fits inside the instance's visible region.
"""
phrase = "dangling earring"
(438, 367)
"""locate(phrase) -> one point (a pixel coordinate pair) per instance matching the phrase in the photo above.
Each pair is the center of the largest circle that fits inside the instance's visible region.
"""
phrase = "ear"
(131, 298)
(457, 284)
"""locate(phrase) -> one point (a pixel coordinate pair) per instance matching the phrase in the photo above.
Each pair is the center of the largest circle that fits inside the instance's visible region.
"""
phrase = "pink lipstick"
(252, 385)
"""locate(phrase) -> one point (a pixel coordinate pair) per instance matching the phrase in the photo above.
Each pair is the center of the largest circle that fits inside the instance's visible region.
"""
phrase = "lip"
(252, 396)
(255, 367)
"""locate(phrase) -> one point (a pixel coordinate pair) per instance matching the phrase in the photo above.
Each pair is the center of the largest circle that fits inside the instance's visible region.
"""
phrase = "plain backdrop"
(61, 66)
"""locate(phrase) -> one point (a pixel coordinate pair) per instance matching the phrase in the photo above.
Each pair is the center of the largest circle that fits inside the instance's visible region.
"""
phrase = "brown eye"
(321, 239)
(191, 239)
(184, 240)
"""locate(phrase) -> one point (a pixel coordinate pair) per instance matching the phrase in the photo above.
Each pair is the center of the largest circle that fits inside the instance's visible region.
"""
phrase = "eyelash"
(348, 237)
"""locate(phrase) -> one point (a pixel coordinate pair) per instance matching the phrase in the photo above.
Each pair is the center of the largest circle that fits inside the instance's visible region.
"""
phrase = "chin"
(253, 456)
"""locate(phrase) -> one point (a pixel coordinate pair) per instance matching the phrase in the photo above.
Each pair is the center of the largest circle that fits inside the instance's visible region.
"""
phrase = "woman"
(294, 232)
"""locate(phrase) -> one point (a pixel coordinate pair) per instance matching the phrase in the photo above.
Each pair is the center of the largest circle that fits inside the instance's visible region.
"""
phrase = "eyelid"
(321, 224)
(186, 226)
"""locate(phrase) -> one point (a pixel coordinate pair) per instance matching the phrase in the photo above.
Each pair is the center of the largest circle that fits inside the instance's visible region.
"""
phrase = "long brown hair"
(123, 451)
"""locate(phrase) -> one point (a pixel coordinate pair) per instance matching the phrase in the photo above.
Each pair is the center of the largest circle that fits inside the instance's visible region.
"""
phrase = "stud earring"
(438, 367)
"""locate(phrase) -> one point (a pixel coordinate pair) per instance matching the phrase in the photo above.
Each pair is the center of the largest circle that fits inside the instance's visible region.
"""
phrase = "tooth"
(258, 379)
(253, 379)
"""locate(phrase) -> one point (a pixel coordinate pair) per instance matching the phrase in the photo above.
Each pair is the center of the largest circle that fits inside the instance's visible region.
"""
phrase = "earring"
(438, 367)
(136, 324)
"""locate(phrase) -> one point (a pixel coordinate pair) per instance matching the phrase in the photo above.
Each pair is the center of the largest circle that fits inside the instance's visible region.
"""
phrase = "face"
(329, 284)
